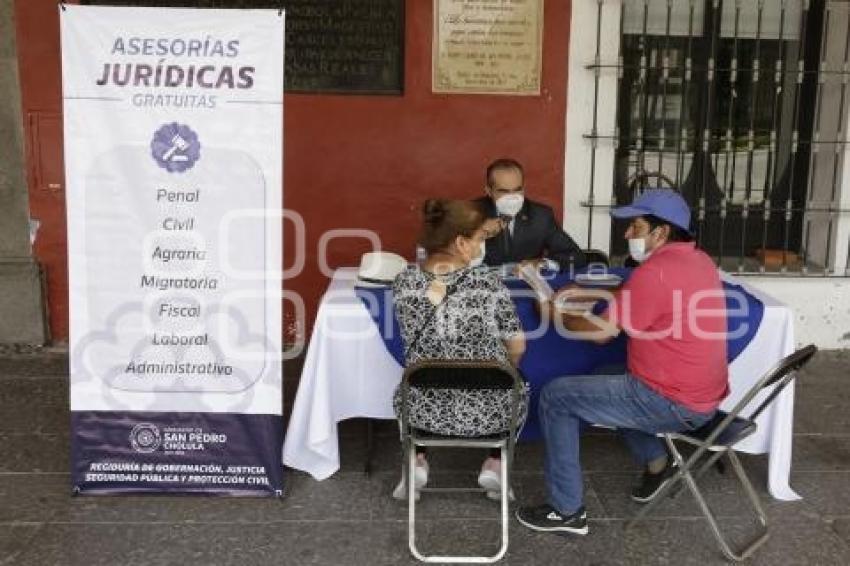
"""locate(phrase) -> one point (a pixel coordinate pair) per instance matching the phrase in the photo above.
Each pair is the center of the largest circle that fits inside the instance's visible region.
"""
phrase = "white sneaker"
(420, 479)
(490, 479)
(497, 495)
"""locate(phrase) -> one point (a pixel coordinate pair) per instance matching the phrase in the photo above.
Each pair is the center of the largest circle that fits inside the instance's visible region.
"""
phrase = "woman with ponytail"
(452, 308)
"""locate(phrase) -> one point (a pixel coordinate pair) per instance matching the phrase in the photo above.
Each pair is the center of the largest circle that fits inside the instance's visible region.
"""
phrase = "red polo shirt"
(674, 312)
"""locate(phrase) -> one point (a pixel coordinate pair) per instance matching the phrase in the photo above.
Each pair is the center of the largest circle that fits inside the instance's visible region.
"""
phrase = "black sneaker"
(651, 484)
(546, 519)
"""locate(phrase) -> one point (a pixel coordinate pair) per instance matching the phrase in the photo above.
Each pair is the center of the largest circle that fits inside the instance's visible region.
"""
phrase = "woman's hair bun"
(434, 211)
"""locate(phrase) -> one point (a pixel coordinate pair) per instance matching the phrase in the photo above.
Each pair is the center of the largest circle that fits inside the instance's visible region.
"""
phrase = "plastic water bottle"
(421, 255)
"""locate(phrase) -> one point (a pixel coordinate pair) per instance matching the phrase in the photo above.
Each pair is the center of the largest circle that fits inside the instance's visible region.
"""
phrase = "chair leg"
(747, 550)
(684, 475)
(668, 488)
(410, 474)
(713, 460)
(506, 488)
(761, 537)
(410, 460)
(755, 501)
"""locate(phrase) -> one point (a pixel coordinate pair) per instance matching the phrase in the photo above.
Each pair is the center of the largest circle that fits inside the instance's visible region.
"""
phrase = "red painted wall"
(350, 161)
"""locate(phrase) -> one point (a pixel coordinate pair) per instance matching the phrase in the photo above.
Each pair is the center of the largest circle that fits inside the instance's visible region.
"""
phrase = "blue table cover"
(552, 355)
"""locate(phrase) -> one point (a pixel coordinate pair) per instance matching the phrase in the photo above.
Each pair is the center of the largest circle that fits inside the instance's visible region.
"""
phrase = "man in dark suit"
(523, 230)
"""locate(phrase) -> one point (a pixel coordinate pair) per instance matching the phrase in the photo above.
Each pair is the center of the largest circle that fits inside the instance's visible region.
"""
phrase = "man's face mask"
(638, 247)
(510, 205)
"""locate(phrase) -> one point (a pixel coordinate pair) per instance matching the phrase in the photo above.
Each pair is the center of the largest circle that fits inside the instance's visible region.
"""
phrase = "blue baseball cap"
(665, 204)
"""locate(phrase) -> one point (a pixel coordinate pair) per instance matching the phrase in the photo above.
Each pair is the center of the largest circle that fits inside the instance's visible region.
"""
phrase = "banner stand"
(173, 162)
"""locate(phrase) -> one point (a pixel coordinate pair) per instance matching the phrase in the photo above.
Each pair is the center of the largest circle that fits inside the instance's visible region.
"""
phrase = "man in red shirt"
(672, 309)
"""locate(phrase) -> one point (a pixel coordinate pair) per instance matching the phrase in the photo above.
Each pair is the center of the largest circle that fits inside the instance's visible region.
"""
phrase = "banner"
(173, 160)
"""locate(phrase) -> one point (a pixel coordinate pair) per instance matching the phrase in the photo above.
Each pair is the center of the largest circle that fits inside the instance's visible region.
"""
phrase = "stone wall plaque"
(345, 46)
(332, 46)
(487, 46)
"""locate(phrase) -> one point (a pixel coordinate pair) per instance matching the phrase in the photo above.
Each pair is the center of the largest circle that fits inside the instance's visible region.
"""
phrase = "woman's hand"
(492, 226)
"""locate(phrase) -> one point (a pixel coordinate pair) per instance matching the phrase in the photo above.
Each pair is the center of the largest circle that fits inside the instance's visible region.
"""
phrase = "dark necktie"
(507, 239)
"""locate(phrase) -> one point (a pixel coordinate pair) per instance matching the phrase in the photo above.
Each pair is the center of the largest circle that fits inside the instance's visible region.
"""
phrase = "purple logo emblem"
(175, 147)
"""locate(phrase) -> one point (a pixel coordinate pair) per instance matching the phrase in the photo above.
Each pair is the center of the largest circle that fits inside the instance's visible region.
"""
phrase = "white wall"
(581, 89)
(821, 307)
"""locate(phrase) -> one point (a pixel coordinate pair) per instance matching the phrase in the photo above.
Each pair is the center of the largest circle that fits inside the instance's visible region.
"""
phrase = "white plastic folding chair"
(716, 439)
(442, 374)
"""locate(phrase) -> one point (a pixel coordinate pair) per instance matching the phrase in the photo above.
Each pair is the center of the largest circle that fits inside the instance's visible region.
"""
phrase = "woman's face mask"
(479, 259)
(472, 253)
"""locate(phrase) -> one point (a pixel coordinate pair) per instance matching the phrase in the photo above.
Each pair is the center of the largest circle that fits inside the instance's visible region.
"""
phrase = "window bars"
(743, 105)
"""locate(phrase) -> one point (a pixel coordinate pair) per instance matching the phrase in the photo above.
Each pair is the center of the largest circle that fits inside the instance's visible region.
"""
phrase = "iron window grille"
(741, 105)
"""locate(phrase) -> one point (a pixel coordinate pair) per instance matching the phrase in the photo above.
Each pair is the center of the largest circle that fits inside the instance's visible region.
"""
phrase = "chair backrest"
(780, 376)
(462, 374)
(457, 374)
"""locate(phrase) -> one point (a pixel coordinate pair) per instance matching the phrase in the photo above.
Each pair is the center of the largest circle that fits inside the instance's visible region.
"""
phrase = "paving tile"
(40, 498)
(827, 369)
(39, 365)
(792, 541)
(34, 405)
(351, 519)
(342, 496)
(324, 543)
(49, 391)
(817, 453)
(824, 412)
(526, 547)
(805, 542)
(32, 418)
(841, 527)
(13, 540)
(827, 492)
(723, 493)
(451, 505)
(529, 489)
(34, 452)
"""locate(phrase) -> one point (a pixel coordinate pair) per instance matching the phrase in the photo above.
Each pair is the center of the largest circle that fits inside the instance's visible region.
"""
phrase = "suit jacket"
(536, 234)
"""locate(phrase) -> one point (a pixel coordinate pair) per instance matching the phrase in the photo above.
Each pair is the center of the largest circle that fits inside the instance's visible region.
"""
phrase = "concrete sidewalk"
(351, 519)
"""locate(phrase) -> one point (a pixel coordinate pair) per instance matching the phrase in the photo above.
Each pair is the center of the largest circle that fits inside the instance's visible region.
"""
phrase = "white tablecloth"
(348, 373)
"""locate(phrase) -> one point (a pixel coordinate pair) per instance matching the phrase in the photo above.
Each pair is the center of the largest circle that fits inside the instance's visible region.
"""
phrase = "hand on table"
(575, 300)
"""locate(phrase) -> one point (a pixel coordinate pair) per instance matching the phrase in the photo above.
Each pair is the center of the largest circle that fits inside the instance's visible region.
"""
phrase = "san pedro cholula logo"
(145, 438)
